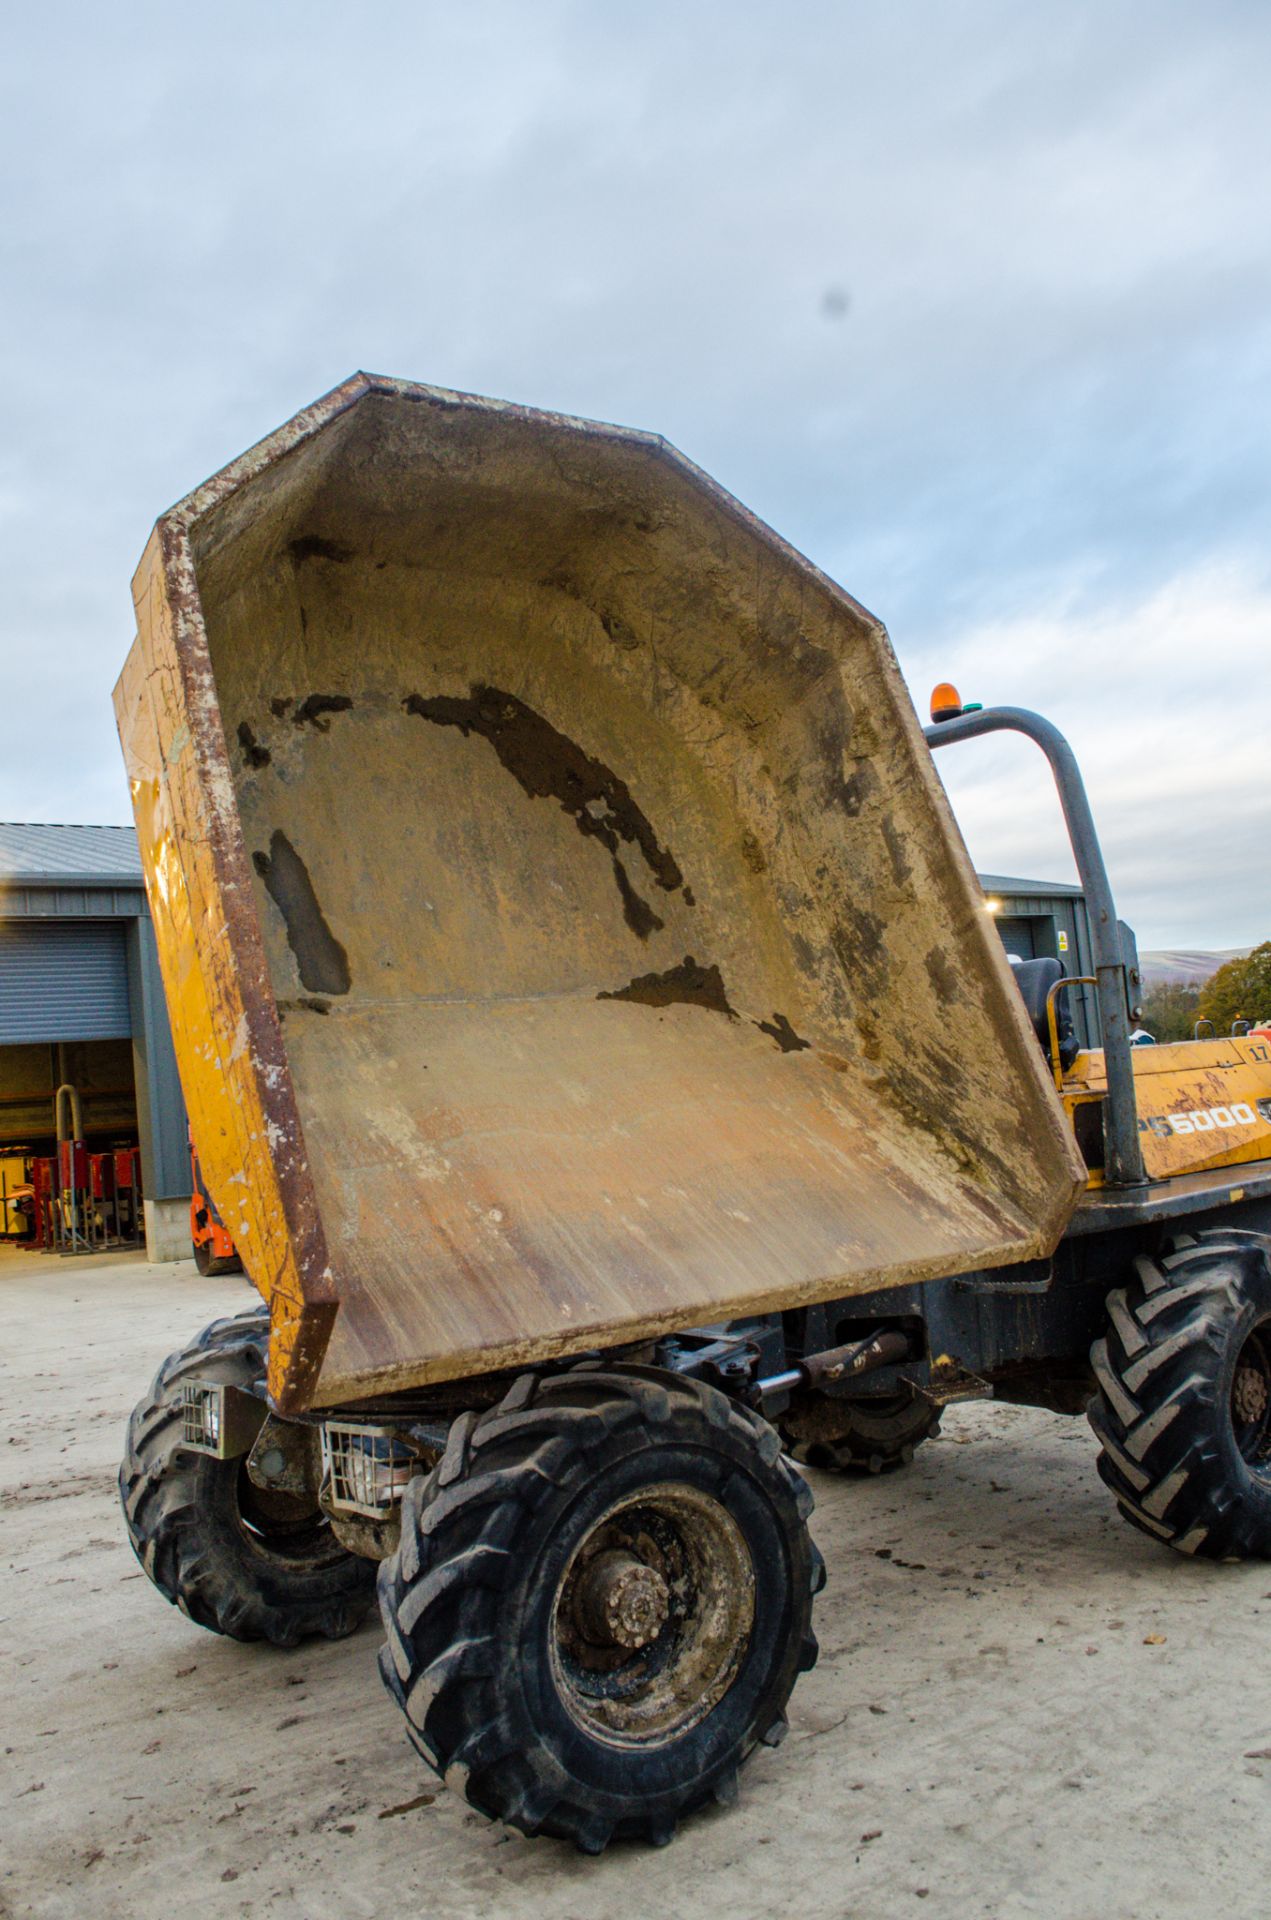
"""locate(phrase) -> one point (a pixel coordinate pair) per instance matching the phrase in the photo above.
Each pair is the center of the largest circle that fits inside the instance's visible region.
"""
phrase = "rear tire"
(601, 1603)
(857, 1436)
(1183, 1412)
(237, 1560)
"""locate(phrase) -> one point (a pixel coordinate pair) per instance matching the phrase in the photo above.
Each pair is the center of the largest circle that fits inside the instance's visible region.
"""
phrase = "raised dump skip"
(564, 931)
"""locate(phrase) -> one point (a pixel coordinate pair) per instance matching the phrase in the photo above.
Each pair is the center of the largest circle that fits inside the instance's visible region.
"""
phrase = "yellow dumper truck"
(597, 1047)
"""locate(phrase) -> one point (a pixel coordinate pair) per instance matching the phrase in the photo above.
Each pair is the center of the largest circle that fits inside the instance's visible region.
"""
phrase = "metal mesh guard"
(369, 1468)
(201, 1417)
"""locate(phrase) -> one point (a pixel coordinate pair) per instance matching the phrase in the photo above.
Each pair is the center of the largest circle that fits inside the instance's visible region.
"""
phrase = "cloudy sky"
(971, 300)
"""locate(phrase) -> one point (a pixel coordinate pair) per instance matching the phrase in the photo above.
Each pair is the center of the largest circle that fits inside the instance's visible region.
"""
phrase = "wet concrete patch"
(322, 961)
(315, 707)
(685, 985)
(548, 765)
(311, 546)
(254, 754)
(691, 985)
(780, 1030)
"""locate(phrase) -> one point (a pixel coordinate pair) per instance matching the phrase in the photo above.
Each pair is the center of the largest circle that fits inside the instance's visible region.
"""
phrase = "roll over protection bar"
(1123, 1157)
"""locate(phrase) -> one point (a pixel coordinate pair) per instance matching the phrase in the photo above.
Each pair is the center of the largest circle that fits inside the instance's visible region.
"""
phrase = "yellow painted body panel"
(215, 984)
(1203, 1104)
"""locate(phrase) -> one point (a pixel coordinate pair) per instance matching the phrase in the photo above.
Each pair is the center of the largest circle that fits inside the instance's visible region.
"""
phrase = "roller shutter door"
(63, 980)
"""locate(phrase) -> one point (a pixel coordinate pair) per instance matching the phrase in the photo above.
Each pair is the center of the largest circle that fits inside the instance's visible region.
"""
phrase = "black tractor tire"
(1183, 1411)
(239, 1561)
(557, 1728)
(857, 1436)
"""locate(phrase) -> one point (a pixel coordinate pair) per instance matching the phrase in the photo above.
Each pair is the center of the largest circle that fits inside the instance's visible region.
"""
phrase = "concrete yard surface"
(1022, 1707)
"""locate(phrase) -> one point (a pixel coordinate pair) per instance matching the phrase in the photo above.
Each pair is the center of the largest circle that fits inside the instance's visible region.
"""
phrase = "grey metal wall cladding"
(63, 980)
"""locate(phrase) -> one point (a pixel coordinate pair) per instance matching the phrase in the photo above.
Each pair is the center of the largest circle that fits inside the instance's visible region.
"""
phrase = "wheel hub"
(1251, 1399)
(622, 1602)
(653, 1615)
(1249, 1395)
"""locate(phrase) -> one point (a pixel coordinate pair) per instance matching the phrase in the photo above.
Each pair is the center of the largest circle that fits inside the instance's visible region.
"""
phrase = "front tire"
(1183, 1412)
(237, 1560)
(601, 1603)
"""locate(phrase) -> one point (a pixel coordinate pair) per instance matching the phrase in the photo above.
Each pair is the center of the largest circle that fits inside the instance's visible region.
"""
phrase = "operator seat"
(1035, 978)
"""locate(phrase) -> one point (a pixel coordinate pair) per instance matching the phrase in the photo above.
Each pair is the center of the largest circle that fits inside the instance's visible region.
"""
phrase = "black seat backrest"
(1035, 978)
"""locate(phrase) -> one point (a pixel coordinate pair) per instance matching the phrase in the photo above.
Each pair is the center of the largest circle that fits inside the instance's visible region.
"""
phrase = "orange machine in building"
(214, 1249)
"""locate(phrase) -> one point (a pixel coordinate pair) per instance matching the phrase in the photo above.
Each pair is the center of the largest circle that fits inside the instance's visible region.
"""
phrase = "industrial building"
(82, 1010)
(1046, 920)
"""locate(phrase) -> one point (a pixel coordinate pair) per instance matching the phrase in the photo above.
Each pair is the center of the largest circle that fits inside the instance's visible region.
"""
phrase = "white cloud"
(1164, 701)
(1049, 394)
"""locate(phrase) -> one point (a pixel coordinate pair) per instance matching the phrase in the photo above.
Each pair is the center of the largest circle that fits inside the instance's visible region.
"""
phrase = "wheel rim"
(289, 1526)
(1251, 1398)
(652, 1617)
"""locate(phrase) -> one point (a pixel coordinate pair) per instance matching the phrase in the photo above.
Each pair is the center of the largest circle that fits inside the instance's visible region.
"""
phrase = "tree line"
(1240, 990)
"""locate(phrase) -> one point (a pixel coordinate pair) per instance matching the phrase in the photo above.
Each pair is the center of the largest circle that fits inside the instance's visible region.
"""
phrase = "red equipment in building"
(44, 1185)
(128, 1210)
(72, 1165)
